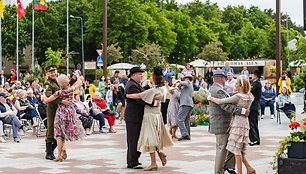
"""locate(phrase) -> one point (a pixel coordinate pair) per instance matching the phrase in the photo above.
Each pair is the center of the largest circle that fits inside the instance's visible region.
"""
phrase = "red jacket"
(101, 103)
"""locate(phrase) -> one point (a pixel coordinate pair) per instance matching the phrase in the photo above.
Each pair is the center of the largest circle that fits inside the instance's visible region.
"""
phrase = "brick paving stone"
(106, 153)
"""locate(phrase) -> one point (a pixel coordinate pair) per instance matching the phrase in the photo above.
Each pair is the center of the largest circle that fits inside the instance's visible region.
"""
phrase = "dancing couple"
(144, 123)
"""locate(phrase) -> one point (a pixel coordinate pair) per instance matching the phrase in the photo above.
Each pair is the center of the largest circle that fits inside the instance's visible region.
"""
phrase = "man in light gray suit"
(220, 118)
(185, 109)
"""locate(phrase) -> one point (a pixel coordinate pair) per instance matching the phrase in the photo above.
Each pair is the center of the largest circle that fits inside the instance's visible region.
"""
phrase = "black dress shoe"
(254, 143)
(135, 167)
(184, 138)
(140, 164)
(231, 171)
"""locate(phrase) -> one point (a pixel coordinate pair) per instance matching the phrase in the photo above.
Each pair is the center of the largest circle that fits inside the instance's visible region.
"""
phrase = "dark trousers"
(253, 121)
(51, 110)
(263, 105)
(132, 132)
(100, 117)
(164, 110)
(287, 109)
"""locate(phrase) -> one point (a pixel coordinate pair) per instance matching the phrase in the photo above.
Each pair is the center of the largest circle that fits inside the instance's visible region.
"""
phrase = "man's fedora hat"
(219, 73)
(134, 70)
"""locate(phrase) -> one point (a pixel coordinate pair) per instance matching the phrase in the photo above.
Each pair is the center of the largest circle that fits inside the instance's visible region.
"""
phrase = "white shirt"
(230, 86)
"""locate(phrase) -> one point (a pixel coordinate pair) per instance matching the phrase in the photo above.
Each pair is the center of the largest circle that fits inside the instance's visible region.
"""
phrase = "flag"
(2, 5)
(20, 10)
(40, 5)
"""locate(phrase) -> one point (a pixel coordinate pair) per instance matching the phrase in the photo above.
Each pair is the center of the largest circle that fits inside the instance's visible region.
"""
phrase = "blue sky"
(293, 7)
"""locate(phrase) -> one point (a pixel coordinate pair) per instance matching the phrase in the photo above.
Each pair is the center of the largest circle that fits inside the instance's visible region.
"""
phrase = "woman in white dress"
(173, 109)
(153, 135)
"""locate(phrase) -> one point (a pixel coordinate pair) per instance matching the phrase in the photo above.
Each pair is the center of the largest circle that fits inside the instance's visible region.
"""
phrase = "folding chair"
(41, 122)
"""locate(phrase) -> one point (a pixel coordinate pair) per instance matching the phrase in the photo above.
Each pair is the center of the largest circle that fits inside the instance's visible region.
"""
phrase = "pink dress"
(66, 122)
(239, 127)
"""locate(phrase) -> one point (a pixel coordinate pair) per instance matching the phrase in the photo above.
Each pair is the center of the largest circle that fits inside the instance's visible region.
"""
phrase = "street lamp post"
(67, 38)
(82, 32)
(278, 42)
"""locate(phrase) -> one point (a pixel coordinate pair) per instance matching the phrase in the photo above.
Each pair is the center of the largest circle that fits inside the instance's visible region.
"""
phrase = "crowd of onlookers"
(23, 100)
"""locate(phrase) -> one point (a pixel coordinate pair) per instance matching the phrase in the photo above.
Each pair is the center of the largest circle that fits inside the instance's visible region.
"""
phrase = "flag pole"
(67, 55)
(17, 40)
(33, 49)
(0, 43)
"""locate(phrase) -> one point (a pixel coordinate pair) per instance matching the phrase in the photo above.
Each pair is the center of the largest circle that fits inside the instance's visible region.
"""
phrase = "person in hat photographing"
(186, 106)
(133, 116)
(220, 119)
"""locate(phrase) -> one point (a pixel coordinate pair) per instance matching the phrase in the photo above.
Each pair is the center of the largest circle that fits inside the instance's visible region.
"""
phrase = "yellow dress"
(153, 135)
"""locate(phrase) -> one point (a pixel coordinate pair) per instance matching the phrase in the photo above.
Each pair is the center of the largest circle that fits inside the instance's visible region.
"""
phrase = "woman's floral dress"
(66, 122)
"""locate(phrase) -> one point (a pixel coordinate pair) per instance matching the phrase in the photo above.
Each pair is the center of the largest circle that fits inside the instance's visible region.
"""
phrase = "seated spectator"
(109, 97)
(267, 99)
(108, 114)
(203, 89)
(197, 83)
(6, 86)
(284, 103)
(25, 109)
(2, 140)
(8, 115)
(38, 105)
(119, 99)
(83, 113)
(36, 88)
(11, 95)
(17, 85)
(230, 83)
(1, 89)
(95, 112)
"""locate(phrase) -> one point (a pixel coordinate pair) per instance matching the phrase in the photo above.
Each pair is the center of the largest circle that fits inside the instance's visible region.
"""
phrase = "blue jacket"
(283, 98)
(268, 93)
(168, 74)
(2, 107)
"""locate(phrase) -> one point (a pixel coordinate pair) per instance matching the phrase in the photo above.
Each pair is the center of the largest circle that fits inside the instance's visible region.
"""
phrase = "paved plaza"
(106, 153)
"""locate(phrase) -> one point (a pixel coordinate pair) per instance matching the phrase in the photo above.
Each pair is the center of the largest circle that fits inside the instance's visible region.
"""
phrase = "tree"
(114, 53)
(204, 34)
(186, 47)
(235, 17)
(9, 34)
(161, 29)
(149, 55)
(50, 27)
(53, 57)
(212, 52)
(206, 10)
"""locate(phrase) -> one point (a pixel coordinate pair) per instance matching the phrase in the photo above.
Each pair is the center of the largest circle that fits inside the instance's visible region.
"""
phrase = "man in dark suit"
(133, 117)
(254, 110)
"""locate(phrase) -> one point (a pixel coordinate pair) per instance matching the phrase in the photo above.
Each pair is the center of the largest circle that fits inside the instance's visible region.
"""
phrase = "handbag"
(86, 121)
(109, 112)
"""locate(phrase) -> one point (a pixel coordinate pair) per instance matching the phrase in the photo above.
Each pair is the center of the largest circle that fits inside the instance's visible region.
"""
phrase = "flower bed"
(292, 146)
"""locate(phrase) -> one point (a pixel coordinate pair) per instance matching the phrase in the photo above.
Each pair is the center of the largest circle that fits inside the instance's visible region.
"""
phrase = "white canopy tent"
(123, 66)
(178, 66)
(199, 63)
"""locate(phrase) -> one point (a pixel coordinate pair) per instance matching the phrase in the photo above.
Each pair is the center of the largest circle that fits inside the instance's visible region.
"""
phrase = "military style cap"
(51, 68)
